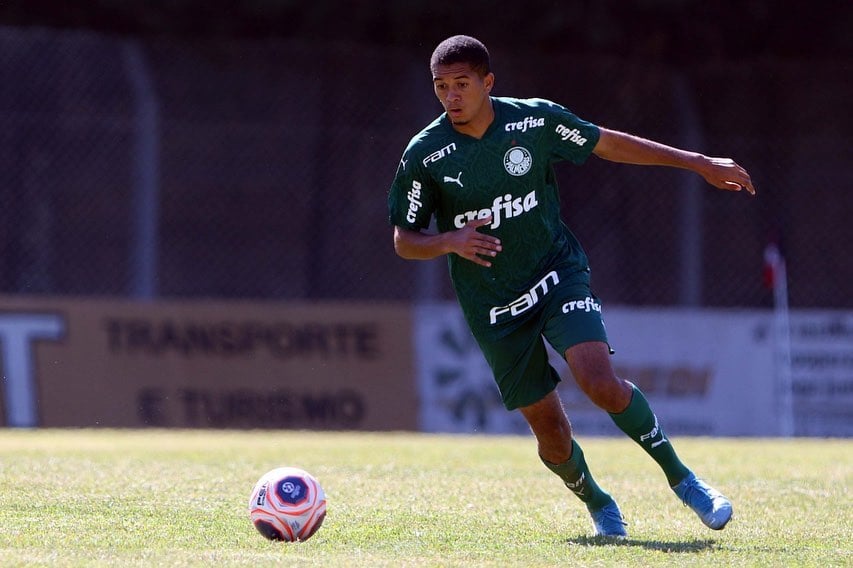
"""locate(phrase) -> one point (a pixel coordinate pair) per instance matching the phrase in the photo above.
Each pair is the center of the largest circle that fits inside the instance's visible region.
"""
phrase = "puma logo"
(457, 179)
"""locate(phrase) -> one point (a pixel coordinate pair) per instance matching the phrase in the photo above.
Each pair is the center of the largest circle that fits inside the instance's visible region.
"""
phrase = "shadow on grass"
(689, 546)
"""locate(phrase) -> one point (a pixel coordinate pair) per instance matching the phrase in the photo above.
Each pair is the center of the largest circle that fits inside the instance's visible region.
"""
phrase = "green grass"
(178, 498)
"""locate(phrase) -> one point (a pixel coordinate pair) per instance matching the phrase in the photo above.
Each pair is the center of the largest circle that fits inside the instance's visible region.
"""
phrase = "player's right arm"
(467, 242)
(412, 202)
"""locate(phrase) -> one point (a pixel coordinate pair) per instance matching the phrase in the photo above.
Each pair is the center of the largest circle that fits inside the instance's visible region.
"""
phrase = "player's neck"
(477, 126)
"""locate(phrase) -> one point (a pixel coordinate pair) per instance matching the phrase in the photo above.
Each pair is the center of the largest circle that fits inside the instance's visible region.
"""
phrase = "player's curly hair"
(462, 49)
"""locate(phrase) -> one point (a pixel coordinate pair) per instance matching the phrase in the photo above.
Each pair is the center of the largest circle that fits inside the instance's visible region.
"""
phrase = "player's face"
(464, 94)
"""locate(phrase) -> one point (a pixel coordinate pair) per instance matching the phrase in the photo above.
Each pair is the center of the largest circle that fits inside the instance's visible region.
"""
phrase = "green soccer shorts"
(569, 315)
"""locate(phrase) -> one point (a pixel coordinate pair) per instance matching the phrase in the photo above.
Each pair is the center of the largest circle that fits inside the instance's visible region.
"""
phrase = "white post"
(782, 337)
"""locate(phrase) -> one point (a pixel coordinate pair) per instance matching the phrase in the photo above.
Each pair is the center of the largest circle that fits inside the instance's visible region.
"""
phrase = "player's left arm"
(723, 173)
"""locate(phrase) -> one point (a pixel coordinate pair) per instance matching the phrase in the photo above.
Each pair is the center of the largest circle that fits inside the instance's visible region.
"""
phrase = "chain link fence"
(258, 169)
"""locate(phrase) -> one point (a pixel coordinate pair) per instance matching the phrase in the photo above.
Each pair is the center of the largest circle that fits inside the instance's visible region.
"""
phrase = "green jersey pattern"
(507, 174)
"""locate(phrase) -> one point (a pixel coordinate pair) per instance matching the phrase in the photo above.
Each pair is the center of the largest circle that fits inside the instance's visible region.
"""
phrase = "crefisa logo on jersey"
(415, 203)
(517, 161)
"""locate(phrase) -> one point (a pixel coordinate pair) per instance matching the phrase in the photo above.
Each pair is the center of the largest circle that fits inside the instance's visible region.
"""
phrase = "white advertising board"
(822, 373)
(705, 372)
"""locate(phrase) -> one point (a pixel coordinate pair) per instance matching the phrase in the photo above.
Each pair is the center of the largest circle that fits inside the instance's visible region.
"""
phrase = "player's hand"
(725, 173)
(473, 245)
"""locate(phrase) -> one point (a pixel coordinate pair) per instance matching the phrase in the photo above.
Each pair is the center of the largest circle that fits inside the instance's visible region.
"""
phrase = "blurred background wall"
(244, 149)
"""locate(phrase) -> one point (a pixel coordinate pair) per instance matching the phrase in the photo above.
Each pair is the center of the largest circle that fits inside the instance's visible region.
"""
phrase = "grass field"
(178, 498)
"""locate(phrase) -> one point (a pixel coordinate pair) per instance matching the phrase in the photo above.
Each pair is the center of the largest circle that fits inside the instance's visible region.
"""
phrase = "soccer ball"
(287, 504)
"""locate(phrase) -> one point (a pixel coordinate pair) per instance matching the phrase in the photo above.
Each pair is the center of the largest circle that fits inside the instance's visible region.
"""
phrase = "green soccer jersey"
(507, 174)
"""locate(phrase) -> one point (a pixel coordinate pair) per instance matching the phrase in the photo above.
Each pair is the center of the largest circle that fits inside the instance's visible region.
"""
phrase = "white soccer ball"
(287, 504)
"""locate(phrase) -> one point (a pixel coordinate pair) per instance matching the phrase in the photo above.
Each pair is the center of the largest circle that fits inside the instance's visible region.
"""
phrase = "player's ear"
(489, 82)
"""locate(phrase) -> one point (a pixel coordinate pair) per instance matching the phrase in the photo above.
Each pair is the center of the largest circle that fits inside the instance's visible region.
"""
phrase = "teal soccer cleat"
(711, 506)
(608, 521)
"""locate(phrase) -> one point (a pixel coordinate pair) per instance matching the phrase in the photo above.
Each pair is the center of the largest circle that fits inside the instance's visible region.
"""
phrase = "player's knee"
(606, 391)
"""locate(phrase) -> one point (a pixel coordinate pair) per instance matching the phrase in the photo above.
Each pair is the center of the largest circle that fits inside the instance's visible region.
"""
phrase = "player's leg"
(593, 372)
(527, 382)
(577, 330)
(560, 452)
(551, 427)
(563, 455)
(630, 411)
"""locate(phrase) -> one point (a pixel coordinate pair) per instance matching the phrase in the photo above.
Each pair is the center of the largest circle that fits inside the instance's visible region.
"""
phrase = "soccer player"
(483, 168)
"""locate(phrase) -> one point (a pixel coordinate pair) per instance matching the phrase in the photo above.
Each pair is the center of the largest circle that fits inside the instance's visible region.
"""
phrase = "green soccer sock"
(641, 425)
(575, 474)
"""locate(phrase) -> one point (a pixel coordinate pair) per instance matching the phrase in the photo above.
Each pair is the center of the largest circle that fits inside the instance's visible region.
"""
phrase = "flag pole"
(775, 265)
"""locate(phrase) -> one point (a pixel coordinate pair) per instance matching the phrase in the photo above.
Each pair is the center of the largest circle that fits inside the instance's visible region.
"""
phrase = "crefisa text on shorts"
(586, 305)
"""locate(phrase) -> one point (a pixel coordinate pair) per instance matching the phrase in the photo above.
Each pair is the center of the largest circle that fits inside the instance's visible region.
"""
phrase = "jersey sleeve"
(411, 199)
(572, 138)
